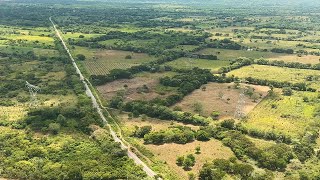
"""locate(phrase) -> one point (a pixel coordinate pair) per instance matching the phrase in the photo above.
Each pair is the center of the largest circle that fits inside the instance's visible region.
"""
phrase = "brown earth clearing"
(131, 88)
(222, 98)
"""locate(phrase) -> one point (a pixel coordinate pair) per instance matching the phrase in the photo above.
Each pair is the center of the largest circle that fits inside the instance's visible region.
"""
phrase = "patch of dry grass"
(221, 98)
(210, 150)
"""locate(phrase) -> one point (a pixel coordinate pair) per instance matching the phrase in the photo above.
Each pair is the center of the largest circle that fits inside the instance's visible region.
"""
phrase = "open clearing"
(269, 44)
(13, 113)
(109, 90)
(76, 35)
(109, 56)
(156, 124)
(216, 96)
(309, 59)
(226, 54)
(260, 143)
(100, 62)
(103, 68)
(41, 39)
(280, 74)
(45, 52)
(290, 116)
(188, 63)
(19, 110)
(210, 150)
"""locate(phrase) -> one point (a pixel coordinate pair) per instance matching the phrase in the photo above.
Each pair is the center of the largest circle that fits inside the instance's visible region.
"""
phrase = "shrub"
(215, 115)
(209, 173)
(81, 57)
(229, 123)
(178, 134)
(54, 128)
(128, 57)
(287, 91)
(177, 108)
(198, 150)
(303, 151)
(202, 135)
(180, 160)
(140, 132)
(189, 161)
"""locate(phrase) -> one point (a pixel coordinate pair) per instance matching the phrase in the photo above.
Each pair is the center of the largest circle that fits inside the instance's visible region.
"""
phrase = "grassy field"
(308, 59)
(13, 113)
(100, 62)
(29, 40)
(76, 35)
(41, 39)
(260, 143)
(291, 116)
(226, 54)
(45, 52)
(210, 150)
(156, 124)
(19, 110)
(278, 74)
(6, 47)
(246, 37)
(188, 63)
(111, 42)
(13, 49)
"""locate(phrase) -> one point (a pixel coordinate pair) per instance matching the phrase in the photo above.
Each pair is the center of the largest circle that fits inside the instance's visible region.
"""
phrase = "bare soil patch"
(222, 98)
(109, 90)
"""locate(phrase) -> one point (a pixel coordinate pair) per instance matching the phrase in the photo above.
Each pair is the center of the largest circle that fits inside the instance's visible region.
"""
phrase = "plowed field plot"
(102, 68)
(101, 62)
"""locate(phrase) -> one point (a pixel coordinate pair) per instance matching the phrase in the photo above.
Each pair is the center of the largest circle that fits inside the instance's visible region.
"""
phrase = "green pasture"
(280, 74)
(189, 63)
(289, 115)
(226, 54)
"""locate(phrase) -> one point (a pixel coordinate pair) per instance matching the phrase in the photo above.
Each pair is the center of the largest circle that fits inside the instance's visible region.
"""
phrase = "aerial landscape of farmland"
(167, 89)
